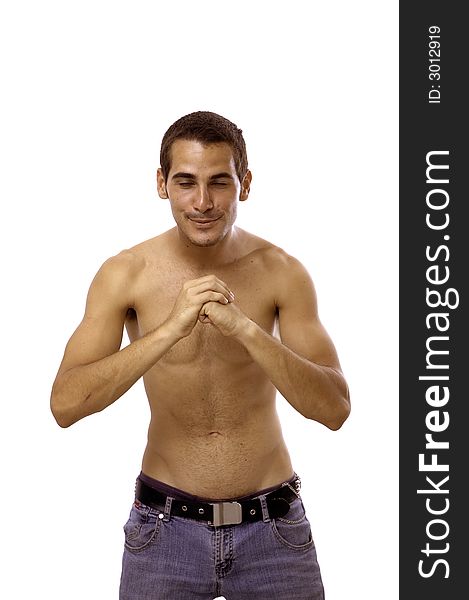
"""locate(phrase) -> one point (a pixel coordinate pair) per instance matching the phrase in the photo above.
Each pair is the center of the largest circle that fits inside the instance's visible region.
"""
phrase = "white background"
(88, 90)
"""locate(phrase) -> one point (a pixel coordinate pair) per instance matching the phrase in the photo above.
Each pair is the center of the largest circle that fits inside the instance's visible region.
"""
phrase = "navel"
(215, 434)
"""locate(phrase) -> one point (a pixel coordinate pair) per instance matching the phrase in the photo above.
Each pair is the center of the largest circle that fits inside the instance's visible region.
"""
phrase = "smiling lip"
(203, 221)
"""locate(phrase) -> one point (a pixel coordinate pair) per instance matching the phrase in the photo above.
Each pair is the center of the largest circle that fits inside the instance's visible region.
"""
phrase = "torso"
(214, 429)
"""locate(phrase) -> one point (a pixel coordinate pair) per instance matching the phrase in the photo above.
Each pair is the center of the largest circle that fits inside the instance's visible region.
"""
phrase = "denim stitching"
(287, 543)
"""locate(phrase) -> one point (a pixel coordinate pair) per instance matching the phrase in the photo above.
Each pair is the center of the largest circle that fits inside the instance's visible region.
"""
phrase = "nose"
(202, 200)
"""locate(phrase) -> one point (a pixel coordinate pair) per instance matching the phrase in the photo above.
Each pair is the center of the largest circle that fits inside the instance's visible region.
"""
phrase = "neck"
(219, 254)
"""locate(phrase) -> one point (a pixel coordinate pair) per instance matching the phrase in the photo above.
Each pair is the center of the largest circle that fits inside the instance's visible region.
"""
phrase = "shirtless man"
(217, 507)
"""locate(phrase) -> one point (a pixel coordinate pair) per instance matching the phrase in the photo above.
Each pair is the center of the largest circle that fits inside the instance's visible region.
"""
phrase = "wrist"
(169, 330)
(246, 331)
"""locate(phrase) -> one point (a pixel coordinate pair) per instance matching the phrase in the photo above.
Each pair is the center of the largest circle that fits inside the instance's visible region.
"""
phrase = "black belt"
(222, 513)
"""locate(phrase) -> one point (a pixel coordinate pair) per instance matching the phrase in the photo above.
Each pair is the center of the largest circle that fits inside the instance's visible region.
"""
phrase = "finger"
(210, 296)
(204, 319)
(204, 310)
(209, 282)
(209, 287)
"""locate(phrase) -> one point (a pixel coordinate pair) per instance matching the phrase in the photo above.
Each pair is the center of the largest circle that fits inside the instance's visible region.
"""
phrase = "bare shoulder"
(115, 283)
(122, 276)
(131, 262)
(278, 262)
(290, 280)
(118, 270)
(149, 252)
(284, 265)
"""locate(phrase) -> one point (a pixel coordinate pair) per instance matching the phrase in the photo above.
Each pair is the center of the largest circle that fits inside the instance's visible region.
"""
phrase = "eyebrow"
(182, 175)
(222, 176)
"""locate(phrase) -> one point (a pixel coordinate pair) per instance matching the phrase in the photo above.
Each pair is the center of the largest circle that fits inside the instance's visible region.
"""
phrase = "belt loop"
(167, 508)
(265, 510)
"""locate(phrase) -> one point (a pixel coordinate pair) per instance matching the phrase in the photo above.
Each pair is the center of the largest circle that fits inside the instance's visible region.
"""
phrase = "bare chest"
(157, 293)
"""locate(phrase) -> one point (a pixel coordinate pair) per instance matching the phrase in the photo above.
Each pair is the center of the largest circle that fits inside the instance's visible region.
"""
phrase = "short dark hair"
(207, 128)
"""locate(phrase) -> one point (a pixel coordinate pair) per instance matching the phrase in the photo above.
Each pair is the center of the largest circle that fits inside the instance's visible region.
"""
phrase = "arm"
(303, 366)
(94, 372)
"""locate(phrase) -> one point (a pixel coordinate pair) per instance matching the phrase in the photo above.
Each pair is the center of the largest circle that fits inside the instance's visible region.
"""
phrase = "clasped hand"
(209, 300)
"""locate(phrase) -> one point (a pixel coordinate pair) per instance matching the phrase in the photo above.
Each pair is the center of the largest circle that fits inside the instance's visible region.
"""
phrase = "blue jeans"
(167, 557)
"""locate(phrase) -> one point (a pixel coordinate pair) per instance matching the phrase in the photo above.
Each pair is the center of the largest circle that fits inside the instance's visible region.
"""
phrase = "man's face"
(203, 189)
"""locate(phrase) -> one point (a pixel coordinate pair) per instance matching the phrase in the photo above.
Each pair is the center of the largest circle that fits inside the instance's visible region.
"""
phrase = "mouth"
(204, 222)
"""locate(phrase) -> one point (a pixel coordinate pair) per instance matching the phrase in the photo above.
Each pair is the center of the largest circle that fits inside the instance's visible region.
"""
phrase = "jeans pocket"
(141, 528)
(293, 529)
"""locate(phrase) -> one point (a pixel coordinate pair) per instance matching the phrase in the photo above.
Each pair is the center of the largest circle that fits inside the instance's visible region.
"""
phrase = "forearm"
(87, 389)
(316, 391)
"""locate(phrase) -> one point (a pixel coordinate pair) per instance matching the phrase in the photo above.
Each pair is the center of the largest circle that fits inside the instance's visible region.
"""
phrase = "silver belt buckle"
(227, 513)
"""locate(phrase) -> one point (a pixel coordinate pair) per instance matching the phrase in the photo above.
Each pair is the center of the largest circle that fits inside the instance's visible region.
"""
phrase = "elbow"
(333, 408)
(62, 421)
(60, 415)
(61, 410)
(336, 423)
(335, 416)
(341, 409)
(340, 415)
(333, 421)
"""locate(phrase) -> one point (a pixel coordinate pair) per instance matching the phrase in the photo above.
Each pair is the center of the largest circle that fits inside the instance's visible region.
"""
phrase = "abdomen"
(214, 432)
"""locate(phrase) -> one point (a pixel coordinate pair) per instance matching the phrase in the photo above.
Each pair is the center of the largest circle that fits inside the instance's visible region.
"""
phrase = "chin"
(204, 241)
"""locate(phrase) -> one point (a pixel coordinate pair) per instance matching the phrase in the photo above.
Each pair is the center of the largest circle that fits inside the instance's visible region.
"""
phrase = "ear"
(161, 184)
(245, 186)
